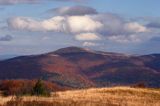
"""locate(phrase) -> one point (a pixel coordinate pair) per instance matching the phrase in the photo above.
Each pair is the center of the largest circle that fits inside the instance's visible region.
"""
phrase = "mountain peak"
(79, 67)
(72, 49)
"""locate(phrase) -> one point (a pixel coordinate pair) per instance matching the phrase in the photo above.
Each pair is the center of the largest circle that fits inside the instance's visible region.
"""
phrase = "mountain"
(79, 68)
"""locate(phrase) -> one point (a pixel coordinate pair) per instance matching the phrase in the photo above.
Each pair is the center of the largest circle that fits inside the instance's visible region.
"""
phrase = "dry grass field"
(116, 96)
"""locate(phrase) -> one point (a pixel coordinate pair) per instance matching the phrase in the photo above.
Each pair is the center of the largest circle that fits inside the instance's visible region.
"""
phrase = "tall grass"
(117, 96)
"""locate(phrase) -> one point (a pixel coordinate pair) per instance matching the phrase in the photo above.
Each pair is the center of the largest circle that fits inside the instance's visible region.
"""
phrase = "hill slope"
(78, 67)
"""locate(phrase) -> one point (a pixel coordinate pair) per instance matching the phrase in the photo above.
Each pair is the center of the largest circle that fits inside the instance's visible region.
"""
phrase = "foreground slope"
(116, 96)
(78, 67)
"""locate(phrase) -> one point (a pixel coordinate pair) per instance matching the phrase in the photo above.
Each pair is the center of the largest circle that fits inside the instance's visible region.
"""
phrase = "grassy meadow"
(115, 96)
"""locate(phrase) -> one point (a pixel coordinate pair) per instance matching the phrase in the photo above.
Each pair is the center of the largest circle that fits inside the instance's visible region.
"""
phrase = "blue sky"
(129, 7)
(127, 26)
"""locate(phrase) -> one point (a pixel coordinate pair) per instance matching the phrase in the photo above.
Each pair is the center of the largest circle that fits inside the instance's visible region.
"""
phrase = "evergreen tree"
(40, 90)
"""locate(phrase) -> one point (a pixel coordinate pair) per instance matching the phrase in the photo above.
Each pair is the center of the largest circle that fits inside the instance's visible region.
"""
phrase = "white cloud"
(135, 27)
(24, 23)
(78, 24)
(89, 44)
(73, 24)
(87, 27)
(132, 32)
(54, 24)
(87, 36)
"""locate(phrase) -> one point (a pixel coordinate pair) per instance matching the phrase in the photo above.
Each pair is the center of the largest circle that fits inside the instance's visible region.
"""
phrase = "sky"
(40, 26)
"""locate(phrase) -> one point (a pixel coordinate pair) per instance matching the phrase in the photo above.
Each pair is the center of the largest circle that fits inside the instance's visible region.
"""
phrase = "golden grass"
(116, 96)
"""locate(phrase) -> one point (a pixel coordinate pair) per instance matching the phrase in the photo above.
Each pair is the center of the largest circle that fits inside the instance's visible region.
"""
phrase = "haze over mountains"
(4, 57)
(79, 68)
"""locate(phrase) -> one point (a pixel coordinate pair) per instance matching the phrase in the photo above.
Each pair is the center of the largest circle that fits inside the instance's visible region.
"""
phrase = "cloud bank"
(86, 24)
(72, 24)
(89, 27)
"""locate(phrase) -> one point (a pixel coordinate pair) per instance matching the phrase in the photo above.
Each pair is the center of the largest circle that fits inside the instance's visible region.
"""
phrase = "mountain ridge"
(79, 67)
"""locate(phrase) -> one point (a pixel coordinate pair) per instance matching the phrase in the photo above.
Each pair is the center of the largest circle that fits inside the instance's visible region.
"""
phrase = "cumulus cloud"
(25, 23)
(86, 27)
(135, 27)
(6, 38)
(118, 29)
(131, 32)
(116, 25)
(74, 10)
(73, 24)
(83, 24)
(87, 36)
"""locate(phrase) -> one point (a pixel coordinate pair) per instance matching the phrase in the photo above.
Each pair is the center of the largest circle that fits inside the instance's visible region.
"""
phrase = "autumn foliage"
(26, 87)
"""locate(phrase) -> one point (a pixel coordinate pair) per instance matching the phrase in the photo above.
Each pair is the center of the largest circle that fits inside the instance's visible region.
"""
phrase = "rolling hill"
(80, 68)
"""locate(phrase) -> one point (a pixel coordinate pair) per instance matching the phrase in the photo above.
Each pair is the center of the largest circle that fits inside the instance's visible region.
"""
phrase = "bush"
(40, 89)
(16, 87)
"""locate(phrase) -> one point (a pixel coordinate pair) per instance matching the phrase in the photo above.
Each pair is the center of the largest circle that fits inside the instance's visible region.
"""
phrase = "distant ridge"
(80, 68)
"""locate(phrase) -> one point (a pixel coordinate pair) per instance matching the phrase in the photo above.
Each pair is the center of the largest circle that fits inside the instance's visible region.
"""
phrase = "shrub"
(40, 89)
(13, 87)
